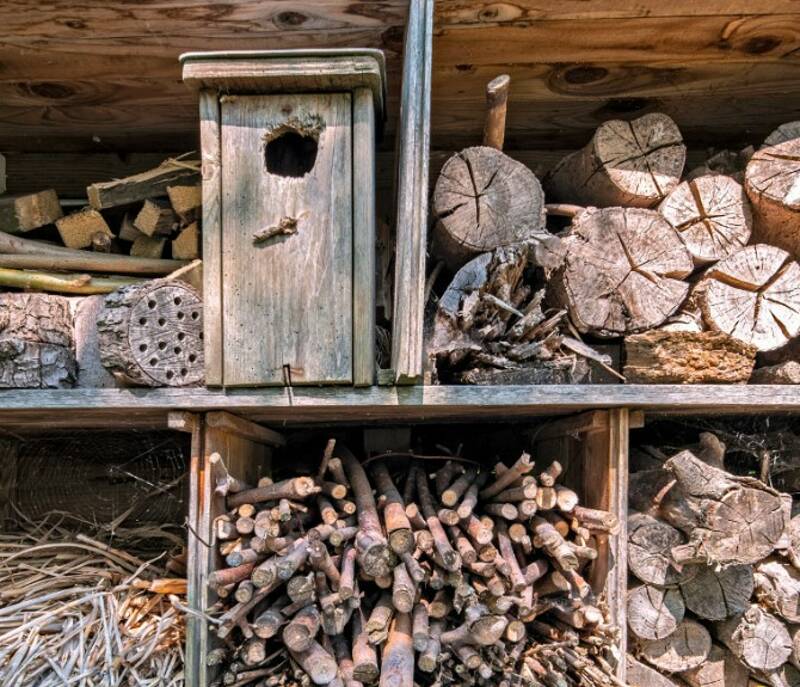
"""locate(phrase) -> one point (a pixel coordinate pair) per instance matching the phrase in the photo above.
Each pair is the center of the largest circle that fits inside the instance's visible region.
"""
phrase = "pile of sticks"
(76, 611)
(716, 558)
(368, 574)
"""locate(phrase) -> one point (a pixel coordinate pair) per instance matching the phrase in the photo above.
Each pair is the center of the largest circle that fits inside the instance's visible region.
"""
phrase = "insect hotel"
(399, 344)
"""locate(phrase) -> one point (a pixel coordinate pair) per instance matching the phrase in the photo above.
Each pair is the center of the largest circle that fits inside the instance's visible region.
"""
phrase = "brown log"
(365, 659)
(688, 647)
(225, 576)
(640, 675)
(398, 528)
(654, 613)
(443, 477)
(650, 542)
(624, 271)
(317, 663)
(547, 537)
(397, 661)
(718, 594)
(299, 634)
(712, 215)
(634, 164)
(566, 499)
(320, 560)
(450, 557)
(477, 531)
(494, 127)
(267, 623)
(78, 229)
(756, 638)
(450, 496)
(420, 626)
(31, 211)
(404, 590)
(769, 182)
(470, 499)
(505, 478)
(754, 295)
(295, 488)
(720, 669)
(429, 658)
(379, 620)
(515, 576)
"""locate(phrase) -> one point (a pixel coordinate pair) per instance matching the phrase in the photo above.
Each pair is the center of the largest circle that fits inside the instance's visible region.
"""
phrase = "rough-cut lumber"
(654, 613)
(771, 185)
(718, 594)
(681, 357)
(79, 229)
(720, 669)
(139, 187)
(686, 648)
(633, 164)
(623, 271)
(754, 295)
(156, 217)
(151, 334)
(756, 638)
(485, 200)
(186, 201)
(186, 245)
(783, 373)
(23, 213)
(148, 247)
(712, 215)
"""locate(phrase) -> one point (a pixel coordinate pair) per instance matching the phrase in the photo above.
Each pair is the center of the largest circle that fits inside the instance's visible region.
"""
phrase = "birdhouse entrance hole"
(291, 154)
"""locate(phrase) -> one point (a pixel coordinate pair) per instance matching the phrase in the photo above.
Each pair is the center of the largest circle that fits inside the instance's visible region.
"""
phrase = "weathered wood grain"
(295, 296)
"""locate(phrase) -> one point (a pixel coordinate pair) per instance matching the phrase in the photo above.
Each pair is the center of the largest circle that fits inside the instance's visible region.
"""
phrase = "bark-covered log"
(624, 271)
(680, 357)
(712, 215)
(718, 594)
(754, 295)
(688, 647)
(485, 200)
(654, 613)
(756, 638)
(770, 182)
(151, 334)
(634, 164)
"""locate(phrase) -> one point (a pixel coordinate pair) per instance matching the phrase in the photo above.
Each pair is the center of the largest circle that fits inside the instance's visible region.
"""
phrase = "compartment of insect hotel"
(430, 554)
(93, 551)
(714, 585)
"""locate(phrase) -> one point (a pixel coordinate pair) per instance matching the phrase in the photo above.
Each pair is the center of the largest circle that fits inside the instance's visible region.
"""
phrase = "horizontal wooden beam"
(46, 410)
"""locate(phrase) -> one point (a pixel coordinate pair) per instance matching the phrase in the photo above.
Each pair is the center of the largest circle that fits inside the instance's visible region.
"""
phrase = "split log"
(186, 201)
(640, 675)
(688, 647)
(654, 613)
(777, 586)
(783, 373)
(186, 246)
(78, 229)
(155, 217)
(23, 213)
(680, 357)
(128, 232)
(770, 184)
(634, 164)
(140, 187)
(720, 669)
(151, 334)
(650, 542)
(756, 638)
(754, 295)
(623, 272)
(148, 247)
(485, 200)
(712, 216)
(718, 594)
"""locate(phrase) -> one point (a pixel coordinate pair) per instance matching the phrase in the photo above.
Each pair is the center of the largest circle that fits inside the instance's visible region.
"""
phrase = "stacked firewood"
(128, 228)
(715, 565)
(692, 276)
(366, 574)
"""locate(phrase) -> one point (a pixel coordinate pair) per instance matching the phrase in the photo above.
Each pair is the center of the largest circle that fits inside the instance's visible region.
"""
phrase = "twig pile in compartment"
(76, 611)
(367, 574)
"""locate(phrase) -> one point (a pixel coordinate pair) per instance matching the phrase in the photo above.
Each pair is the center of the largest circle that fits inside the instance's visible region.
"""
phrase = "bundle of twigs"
(74, 610)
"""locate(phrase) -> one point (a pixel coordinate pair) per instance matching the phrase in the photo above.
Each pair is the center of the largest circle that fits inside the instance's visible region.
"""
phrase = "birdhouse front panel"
(287, 239)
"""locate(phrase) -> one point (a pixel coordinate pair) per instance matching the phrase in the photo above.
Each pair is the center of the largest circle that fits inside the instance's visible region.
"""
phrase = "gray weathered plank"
(287, 301)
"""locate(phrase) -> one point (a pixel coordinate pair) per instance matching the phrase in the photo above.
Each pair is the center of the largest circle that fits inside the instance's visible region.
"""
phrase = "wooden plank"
(364, 232)
(195, 549)
(249, 430)
(139, 187)
(291, 294)
(213, 323)
(181, 421)
(414, 131)
(592, 421)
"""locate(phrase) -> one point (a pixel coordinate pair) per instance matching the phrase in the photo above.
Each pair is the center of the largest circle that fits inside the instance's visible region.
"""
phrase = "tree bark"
(623, 272)
(654, 613)
(754, 295)
(712, 215)
(634, 164)
(485, 200)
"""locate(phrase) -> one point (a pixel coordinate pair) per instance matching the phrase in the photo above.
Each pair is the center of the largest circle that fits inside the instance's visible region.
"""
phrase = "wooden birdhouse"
(288, 156)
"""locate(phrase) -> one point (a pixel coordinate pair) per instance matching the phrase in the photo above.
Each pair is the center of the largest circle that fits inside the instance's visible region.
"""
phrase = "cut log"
(151, 334)
(771, 185)
(777, 586)
(186, 201)
(756, 638)
(623, 272)
(139, 187)
(729, 519)
(155, 218)
(640, 675)
(494, 127)
(654, 613)
(720, 669)
(785, 132)
(680, 357)
(186, 246)
(128, 232)
(148, 247)
(754, 295)
(24, 213)
(687, 648)
(634, 164)
(485, 200)
(783, 373)
(718, 594)
(650, 542)
(91, 373)
(30, 365)
(78, 229)
(397, 662)
(712, 215)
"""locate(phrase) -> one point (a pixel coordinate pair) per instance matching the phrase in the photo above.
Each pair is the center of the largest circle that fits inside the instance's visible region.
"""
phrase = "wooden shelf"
(147, 408)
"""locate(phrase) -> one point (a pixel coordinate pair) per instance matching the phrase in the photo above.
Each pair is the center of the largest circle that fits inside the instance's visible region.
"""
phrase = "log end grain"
(78, 229)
